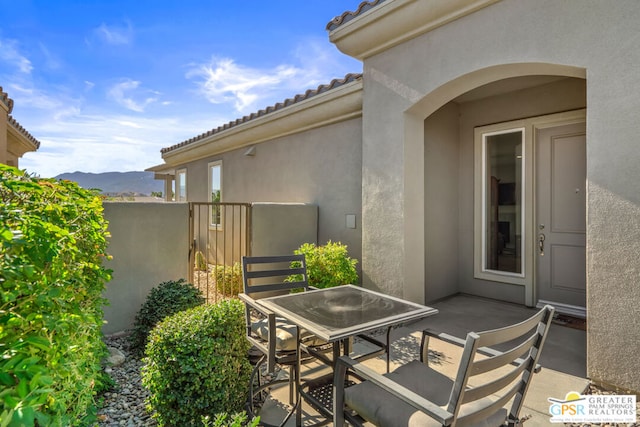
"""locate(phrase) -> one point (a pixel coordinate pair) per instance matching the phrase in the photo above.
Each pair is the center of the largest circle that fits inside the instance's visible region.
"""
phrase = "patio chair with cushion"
(274, 340)
(417, 395)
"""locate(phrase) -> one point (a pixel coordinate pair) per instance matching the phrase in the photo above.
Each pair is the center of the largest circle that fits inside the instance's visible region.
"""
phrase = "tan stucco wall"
(279, 229)
(150, 244)
(320, 167)
(401, 90)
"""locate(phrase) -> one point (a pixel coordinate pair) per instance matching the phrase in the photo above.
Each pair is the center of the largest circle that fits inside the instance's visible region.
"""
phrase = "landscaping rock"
(124, 405)
(116, 357)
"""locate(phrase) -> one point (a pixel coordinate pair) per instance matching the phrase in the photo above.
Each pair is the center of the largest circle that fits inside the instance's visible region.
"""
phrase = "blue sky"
(104, 85)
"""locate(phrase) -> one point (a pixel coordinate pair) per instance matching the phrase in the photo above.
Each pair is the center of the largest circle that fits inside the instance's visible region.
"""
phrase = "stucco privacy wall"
(150, 244)
(580, 38)
(319, 167)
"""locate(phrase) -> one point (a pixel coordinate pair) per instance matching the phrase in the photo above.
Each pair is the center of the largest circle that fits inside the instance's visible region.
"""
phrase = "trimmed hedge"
(164, 300)
(196, 364)
(52, 244)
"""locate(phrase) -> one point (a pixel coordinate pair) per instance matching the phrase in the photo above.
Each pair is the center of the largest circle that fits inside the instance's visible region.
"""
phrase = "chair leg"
(259, 390)
(291, 384)
(338, 394)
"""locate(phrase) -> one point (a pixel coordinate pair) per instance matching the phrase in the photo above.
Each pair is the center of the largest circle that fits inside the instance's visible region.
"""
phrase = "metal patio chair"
(274, 340)
(416, 395)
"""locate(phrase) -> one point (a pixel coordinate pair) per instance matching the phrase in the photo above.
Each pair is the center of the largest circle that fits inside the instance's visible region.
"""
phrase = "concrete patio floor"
(563, 358)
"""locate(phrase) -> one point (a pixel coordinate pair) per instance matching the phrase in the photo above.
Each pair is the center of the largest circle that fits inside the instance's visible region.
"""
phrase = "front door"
(560, 219)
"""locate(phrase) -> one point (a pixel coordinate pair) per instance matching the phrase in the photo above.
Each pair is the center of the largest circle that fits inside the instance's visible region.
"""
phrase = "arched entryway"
(443, 240)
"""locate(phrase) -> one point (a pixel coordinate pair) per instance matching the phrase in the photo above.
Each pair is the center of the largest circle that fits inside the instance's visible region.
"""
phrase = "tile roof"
(348, 16)
(4, 98)
(279, 106)
(23, 131)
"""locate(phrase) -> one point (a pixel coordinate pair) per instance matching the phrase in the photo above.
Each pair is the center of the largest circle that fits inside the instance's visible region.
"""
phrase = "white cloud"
(10, 54)
(51, 61)
(223, 80)
(121, 93)
(106, 142)
(30, 96)
(115, 35)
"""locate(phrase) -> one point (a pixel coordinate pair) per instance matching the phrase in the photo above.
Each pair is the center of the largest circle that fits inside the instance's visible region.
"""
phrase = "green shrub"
(164, 300)
(196, 364)
(237, 420)
(201, 262)
(52, 244)
(328, 265)
(228, 279)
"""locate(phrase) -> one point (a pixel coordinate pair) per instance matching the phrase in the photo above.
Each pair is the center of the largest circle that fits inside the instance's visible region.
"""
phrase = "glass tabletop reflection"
(342, 311)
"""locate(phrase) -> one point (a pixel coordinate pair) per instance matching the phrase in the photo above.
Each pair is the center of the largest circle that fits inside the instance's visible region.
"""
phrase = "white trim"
(177, 196)
(523, 212)
(525, 278)
(210, 166)
(572, 310)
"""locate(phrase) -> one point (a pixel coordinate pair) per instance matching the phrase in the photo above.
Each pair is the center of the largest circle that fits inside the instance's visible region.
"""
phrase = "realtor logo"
(579, 408)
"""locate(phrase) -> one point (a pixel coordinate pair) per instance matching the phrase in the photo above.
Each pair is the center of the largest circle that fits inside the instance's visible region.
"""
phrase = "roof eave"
(398, 21)
(18, 142)
(339, 104)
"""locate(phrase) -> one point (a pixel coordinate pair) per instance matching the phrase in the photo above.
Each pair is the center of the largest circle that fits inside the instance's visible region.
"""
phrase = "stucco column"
(414, 209)
(392, 254)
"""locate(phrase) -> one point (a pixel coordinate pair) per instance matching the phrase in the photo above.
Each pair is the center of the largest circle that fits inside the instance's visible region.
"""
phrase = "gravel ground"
(124, 405)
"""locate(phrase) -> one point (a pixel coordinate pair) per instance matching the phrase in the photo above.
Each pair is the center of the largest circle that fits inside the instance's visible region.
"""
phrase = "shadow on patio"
(563, 358)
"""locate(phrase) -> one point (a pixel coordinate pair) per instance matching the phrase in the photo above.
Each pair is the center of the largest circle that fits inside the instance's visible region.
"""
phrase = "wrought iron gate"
(220, 235)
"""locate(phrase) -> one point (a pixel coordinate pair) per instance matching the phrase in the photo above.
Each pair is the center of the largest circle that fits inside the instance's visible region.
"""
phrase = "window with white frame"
(499, 212)
(215, 191)
(181, 185)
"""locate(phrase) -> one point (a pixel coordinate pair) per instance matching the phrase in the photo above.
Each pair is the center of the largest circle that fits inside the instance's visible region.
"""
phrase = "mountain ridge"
(116, 183)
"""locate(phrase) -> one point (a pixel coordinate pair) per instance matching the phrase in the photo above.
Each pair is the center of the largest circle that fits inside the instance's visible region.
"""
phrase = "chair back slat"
(508, 333)
(487, 389)
(268, 273)
(484, 365)
(510, 371)
(485, 411)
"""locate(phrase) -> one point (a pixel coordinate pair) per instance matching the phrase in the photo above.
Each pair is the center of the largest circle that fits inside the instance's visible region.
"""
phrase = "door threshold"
(571, 310)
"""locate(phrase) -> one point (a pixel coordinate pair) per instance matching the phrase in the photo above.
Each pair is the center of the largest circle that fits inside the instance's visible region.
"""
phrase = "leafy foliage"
(201, 262)
(164, 300)
(228, 279)
(236, 420)
(196, 364)
(328, 265)
(52, 244)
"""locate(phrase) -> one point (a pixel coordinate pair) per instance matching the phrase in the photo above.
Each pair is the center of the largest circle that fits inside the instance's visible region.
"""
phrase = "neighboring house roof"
(17, 140)
(8, 102)
(348, 16)
(14, 124)
(269, 110)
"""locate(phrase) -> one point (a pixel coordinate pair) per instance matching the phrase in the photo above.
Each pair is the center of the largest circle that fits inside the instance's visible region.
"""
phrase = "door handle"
(541, 238)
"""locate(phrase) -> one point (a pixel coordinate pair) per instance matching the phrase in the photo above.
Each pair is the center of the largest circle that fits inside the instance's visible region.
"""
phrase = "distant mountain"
(117, 183)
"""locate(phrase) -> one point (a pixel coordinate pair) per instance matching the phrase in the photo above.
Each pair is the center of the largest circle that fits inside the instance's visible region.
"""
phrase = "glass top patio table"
(343, 311)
